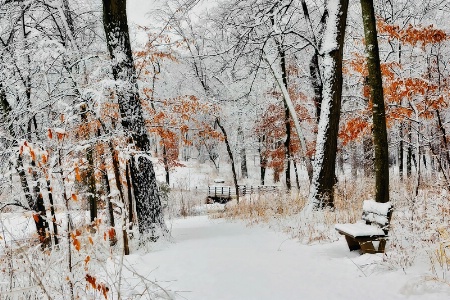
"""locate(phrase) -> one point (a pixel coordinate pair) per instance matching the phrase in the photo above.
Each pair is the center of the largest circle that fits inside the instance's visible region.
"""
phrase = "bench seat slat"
(371, 206)
(360, 229)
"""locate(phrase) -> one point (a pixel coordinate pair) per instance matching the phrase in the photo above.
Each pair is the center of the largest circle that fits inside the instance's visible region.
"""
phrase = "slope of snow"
(215, 259)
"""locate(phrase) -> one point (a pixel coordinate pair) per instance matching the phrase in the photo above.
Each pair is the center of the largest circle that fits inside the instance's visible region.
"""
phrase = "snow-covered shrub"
(82, 266)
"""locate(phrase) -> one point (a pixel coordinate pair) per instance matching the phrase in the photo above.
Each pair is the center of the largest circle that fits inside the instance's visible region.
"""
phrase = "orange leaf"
(91, 280)
(60, 136)
(77, 244)
(33, 155)
(111, 233)
(36, 218)
(86, 260)
(74, 197)
(77, 173)
(49, 134)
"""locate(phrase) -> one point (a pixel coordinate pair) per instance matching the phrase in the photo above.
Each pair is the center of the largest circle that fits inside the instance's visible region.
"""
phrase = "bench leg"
(352, 244)
(367, 247)
(382, 246)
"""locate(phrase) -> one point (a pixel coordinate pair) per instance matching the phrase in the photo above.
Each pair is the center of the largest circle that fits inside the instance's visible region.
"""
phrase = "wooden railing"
(230, 191)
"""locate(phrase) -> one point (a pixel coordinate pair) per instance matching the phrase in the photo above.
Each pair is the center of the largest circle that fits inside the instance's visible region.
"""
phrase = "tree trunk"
(116, 169)
(244, 171)
(148, 204)
(52, 212)
(409, 155)
(287, 120)
(400, 152)
(321, 193)
(379, 132)
(355, 160)
(109, 211)
(262, 159)
(230, 154)
(314, 69)
(40, 215)
(367, 161)
(89, 180)
(166, 163)
(297, 182)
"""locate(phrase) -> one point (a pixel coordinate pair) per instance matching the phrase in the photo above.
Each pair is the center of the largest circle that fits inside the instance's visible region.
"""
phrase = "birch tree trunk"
(379, 132)
(324, 178)
(148, 204)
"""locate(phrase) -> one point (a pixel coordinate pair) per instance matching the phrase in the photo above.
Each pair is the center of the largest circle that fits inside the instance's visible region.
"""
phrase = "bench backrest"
(378, 214)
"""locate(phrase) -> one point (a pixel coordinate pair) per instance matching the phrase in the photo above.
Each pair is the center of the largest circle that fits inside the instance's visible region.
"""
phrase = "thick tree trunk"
(324, 178)
(149, 213)
(148, 204)
(379, 132)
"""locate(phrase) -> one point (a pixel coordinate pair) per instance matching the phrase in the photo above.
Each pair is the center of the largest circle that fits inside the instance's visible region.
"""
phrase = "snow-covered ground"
(218, 259)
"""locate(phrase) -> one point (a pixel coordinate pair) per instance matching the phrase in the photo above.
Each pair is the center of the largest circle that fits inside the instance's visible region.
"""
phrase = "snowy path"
(216, 259)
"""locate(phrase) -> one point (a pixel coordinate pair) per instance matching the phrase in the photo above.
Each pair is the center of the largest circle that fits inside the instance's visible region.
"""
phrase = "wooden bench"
(374, 226)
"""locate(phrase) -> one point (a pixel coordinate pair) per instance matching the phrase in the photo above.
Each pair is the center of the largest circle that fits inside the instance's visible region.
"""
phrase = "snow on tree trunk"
(148, 205)
(321, 192)
(379, 132)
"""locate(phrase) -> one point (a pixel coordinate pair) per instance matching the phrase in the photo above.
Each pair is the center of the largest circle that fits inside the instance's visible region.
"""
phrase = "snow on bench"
(373, 227)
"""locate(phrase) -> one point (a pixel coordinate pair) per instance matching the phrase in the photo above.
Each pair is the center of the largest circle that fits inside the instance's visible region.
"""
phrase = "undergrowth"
(418, 217)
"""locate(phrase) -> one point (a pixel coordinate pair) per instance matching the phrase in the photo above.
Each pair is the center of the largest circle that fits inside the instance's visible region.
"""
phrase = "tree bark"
(89, 180)
(321, 193)
(287, 121)
(379, 132)
(244, 170)
(166, 163)
(409, 154)
(148, 204)
(314, 68)
(401, 152)
(230, 154)
(262, 159)
(116, 169)
(52, 212)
